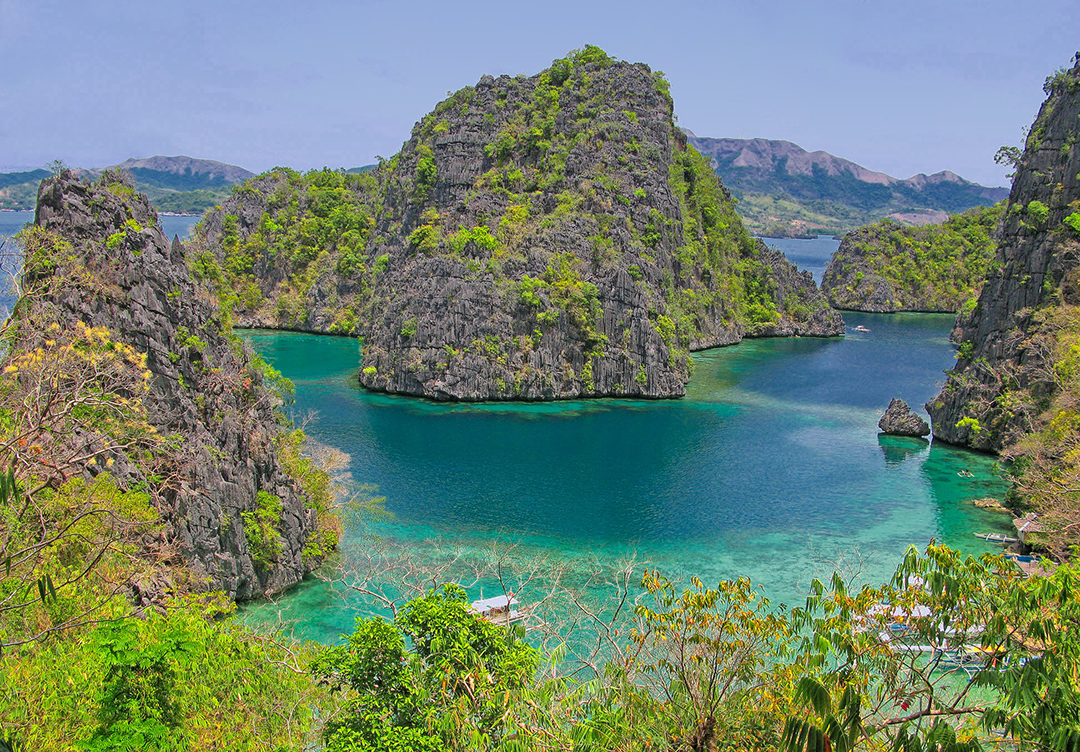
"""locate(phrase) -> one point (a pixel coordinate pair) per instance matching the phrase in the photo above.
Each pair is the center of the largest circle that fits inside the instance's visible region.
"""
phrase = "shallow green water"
(771, 467)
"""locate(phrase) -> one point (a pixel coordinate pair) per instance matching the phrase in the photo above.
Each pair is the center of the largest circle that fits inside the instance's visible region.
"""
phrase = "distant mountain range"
(784, 190)
(174, 184)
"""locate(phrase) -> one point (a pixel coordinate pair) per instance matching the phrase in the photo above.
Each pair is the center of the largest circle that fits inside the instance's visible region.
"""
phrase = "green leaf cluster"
(448, 687)
(261, 529)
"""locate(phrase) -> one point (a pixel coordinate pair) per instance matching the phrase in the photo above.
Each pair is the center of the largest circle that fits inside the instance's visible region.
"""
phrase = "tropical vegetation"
(939, 267)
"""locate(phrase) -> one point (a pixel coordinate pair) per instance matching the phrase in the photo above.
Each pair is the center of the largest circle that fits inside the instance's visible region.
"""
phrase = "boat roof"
(499, 601)
(917, 611)
(1029, 523)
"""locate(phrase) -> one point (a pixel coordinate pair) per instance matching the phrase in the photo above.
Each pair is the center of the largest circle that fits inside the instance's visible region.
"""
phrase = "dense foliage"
(953, 654)
(309, 224)
(1046, 463)
(942, 267)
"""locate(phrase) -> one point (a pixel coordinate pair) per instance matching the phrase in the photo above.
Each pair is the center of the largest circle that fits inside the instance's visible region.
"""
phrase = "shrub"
(1073, 221)
(426, 172)
(261, 529)
(1038, 211)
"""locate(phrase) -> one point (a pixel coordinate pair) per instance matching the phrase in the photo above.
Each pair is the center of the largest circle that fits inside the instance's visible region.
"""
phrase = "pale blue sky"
(899, 87)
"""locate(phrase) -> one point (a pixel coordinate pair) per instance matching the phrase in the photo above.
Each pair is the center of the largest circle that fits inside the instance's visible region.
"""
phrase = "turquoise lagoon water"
(810, 255)
(771, 467)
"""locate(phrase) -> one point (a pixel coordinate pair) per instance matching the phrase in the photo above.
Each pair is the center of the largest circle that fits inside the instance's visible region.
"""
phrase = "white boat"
(502, 609)
(861, 328)
(996, 538)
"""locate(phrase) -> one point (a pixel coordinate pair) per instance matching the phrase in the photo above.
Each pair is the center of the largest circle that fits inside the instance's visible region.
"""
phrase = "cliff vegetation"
(887, 267)
(537, 238)
(1013, 389)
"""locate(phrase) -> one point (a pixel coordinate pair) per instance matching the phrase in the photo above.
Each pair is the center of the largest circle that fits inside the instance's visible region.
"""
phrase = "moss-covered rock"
(539, 237)
(887, 267)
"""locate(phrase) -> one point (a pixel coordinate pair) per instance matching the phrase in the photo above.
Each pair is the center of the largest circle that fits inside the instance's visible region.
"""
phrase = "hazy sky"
(902, 87)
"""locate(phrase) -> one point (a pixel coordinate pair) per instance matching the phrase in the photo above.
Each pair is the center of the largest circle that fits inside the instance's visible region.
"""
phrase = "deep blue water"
(179, 226)
(771, 467)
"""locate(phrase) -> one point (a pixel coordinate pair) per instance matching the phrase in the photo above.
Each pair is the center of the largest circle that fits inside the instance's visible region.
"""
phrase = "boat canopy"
(498, 603)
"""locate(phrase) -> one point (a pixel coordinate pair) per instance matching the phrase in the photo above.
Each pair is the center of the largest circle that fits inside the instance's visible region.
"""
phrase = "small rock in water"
(898, 420)
(991, 504)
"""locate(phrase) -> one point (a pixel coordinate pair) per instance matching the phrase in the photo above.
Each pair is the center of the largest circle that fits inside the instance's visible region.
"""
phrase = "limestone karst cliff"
(97, 256)
(1006, 372)
(541, 237)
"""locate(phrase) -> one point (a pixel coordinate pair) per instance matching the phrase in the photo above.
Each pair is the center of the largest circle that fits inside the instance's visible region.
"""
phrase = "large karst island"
(536, 238)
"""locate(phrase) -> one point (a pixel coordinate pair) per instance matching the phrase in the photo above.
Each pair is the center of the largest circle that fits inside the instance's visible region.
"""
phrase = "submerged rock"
(898, 420)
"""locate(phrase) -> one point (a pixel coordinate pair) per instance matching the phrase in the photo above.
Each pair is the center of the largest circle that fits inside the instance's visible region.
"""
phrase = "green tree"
(451, 690)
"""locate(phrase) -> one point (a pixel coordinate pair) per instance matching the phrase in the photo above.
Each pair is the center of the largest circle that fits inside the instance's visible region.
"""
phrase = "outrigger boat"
(996, 538)
(502, 609)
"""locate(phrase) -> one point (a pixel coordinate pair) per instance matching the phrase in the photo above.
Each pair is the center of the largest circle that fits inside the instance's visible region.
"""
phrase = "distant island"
(939, 268)
(786, 191)
(174, 185)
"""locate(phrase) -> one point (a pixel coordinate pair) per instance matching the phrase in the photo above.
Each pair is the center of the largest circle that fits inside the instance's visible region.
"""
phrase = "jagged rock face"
(1038, 259)
(204, 390)
(898, 420)
(538, 238)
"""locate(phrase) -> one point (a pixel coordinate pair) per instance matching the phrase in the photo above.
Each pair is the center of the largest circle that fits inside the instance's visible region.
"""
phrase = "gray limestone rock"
(588, 283)
(898, 420)
(1038, 259)
(123, 274)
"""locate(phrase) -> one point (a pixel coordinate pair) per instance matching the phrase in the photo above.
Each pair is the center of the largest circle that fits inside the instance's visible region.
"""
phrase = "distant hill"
(184, 185)
(173, 184)
(784, 190)
(18, 190)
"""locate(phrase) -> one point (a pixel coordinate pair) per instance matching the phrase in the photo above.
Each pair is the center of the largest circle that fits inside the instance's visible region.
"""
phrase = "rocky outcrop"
(206, 397)
(886, 267)
(1000, 379)
(898, 420)
(537, 238)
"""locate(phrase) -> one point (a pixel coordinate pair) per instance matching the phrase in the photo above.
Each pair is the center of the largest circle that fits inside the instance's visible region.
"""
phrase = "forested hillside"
(785, 191)
(887, 267)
